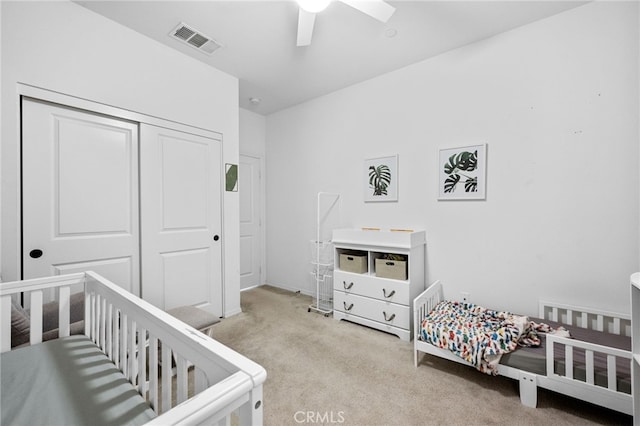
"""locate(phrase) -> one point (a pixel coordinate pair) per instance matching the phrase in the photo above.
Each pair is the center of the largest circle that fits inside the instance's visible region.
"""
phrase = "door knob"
(36, 253)
(216, 237)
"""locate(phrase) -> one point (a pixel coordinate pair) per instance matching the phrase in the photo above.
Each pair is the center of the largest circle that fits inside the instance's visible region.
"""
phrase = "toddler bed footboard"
(185, 376)
(596, 370)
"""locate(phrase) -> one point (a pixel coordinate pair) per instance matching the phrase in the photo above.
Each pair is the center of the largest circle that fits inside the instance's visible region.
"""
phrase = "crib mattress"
(533, 359)
(67, 381)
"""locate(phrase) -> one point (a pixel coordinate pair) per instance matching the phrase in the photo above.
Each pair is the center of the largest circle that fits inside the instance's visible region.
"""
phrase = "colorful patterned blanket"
(478, 335)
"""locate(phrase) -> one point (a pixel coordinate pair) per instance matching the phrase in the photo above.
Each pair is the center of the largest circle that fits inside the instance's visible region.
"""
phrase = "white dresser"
(362, 293)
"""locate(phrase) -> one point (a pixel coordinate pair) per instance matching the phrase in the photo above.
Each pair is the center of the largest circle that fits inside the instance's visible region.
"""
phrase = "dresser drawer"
(377, 288)
(376, 310)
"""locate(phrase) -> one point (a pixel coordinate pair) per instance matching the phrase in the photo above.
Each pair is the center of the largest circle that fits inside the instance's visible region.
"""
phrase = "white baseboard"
(293, 290)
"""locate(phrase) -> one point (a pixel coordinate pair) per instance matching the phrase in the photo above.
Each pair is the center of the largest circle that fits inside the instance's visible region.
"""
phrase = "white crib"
(138, 338)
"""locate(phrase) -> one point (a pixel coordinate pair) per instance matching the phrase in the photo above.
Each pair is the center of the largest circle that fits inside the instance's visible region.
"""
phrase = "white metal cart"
(327, 219)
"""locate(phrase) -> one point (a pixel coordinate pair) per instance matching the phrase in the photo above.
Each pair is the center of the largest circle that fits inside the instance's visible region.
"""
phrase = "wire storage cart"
(328, 218)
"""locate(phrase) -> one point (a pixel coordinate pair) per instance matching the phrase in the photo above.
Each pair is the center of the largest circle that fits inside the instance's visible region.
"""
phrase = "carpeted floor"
(322, 371)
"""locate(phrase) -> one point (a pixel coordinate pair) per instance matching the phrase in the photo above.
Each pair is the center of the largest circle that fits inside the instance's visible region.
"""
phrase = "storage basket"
(393, 269)
(353, 262)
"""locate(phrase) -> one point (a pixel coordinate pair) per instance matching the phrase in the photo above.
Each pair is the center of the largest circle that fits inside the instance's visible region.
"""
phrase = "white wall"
(557, 103)
(61, 46)
(253, 133)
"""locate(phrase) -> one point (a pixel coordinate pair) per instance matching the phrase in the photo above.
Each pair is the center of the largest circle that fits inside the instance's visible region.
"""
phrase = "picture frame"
(462, 173)
(381, 179)
(231, 177)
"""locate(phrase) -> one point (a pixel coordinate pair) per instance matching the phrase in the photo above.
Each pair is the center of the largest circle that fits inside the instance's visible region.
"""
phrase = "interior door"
(79, 194)
(181, 204)
(250, 221)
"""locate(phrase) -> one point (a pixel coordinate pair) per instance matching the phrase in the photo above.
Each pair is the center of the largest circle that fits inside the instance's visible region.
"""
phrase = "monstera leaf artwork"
(381, 179)
(462, 172)
(457, 167)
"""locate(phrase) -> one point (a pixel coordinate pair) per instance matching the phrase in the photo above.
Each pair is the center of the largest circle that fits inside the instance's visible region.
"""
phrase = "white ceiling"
(259, 39)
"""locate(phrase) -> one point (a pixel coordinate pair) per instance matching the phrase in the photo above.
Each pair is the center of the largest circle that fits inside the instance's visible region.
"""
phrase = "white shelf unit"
(367, 298)
(635, 346)
(327, 218)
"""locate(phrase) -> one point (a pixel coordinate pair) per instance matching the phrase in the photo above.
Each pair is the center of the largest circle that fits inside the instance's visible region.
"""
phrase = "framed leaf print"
(381, 179)
(462, 173)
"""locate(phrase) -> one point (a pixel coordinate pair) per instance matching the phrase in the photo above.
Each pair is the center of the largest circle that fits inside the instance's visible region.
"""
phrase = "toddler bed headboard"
(589, 318)
(139, 339)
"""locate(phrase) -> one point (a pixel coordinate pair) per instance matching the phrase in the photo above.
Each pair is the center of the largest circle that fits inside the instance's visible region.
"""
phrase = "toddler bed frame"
(554, 379)
(139, 339)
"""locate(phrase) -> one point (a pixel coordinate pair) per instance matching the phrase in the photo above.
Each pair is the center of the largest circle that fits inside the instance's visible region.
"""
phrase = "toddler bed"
(134, 364)
(593, 365)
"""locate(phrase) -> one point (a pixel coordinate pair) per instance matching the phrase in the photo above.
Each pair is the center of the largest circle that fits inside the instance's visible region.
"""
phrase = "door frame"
(14, 271)
(262, 217)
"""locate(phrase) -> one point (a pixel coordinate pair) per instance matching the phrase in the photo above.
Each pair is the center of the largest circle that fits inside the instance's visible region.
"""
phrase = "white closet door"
(79, 194)
(181, 223)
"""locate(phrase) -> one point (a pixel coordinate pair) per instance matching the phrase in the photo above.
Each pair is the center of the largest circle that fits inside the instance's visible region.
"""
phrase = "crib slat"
(589, 366)
(87, 314)
(131, 353)
(585, 320)
(64, 311)
(142, 361)
(181, 367)
(103, 324)
(36, 317)
(616, 326)
(166, 377)
(94, 319)
(569, 317)
(123, 344)
(568, 367)
(199, 380)
(554, 314)
(153, 373)
(109, 336)
(600, 325)
(5, 321)
(612, 382)
(116, 337)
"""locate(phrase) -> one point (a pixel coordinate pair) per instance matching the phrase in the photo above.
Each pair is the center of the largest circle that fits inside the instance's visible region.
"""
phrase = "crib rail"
(34, 290)
(154, 351)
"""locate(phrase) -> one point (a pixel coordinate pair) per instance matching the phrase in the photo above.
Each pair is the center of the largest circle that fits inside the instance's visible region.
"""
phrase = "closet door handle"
(347, 287)
(347, 308)
(36, 253)
(384, 292)
(390, 318)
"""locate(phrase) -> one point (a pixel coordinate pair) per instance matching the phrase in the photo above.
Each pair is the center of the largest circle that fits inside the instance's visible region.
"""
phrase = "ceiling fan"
(377, 9)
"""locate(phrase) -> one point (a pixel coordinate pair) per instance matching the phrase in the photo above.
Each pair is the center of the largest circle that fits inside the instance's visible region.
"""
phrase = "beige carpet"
(323, 371)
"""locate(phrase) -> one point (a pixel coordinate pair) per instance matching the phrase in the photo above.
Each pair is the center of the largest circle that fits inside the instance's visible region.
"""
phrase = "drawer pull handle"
(390, 318)
(347, 308)
(347, 287)
(384, 292)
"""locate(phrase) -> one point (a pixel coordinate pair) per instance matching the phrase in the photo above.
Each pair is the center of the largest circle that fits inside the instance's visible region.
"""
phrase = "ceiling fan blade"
(305, 27)
(375, 8)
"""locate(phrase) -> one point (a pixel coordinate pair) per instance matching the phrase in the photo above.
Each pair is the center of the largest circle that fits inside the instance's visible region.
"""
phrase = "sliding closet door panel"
(181, 219)
(80, 194)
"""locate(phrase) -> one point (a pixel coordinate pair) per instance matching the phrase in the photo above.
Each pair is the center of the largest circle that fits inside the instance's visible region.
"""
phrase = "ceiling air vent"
(195, 39)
